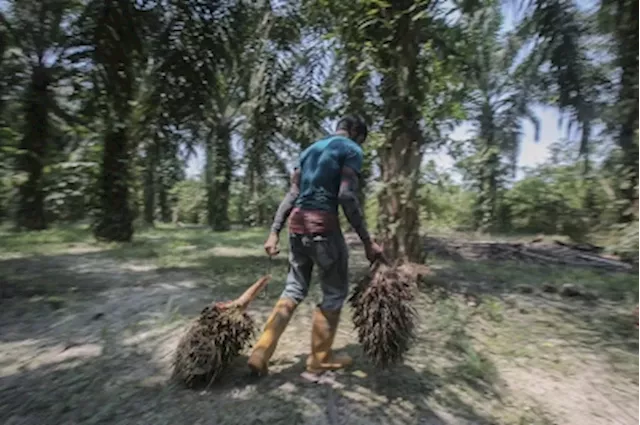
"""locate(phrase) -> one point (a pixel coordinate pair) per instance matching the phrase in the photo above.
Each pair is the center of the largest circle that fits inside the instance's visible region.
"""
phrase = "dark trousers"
(329, 253)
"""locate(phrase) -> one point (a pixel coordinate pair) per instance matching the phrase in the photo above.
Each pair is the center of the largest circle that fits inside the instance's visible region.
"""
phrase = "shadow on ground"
(120, 385)
(361, 394)
(93, 272)
(125, 385)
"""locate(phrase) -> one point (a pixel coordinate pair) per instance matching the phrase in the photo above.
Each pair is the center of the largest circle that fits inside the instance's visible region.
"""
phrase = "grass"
(465, 344)
(165, 239)
(51, 240)
(492, 308)
(471, 365)
(487, 323)
(509, 276)
(227, 259)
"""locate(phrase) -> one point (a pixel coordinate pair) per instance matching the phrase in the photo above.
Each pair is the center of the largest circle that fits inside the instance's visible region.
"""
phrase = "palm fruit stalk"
(382, 313)
(215, 339)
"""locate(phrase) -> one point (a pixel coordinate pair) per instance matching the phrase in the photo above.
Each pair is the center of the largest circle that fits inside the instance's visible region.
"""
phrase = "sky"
(532, 152)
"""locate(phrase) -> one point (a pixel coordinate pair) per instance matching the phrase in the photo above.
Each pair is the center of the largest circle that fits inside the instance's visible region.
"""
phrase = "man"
(326, 177)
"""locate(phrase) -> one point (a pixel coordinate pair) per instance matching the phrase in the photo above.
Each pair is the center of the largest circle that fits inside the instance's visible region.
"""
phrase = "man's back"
(320, 169)
(316, 206)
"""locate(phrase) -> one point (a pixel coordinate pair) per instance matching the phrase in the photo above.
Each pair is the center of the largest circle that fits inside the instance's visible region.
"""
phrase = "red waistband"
(312, 221)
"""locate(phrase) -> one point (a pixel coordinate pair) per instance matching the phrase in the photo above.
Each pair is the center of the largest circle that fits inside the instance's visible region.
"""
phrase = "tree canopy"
(103, 105)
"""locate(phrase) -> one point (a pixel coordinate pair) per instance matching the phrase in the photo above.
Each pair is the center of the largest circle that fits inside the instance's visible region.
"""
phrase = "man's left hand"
(271, 245)
(374, 252)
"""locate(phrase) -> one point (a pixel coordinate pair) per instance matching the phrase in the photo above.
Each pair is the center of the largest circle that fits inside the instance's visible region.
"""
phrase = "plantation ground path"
(87, 333)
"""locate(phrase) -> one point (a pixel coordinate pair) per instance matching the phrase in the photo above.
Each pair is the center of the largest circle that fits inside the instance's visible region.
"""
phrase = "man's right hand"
(271, 245)
(373, 251)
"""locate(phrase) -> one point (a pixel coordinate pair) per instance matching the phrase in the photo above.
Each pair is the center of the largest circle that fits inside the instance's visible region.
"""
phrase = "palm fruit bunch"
(382, 313)
(215, 339)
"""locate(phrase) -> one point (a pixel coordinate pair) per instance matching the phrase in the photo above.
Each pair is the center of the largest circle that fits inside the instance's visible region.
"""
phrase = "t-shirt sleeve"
(353, 159)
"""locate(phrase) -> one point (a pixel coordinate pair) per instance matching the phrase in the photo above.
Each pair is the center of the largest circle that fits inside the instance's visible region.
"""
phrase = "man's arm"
(348, 198)
(287, 203)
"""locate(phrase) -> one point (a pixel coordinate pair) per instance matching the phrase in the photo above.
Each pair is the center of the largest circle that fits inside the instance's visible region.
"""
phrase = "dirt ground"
(87, 333)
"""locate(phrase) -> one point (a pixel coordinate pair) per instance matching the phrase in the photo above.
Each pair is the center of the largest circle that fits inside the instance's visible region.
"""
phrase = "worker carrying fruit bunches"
(325, 177)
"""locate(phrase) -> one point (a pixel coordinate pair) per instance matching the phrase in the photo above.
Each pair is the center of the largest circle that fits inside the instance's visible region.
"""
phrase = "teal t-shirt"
(320, 168)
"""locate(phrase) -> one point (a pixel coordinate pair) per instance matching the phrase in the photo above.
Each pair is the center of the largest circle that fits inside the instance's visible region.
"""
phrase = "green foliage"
(191, 204)
(549, 200)
(625, 241)
(445, 204)
(9, 180)
(254, 209)
(551, 197)
(561, 34)
(581, 57)
(69, 187)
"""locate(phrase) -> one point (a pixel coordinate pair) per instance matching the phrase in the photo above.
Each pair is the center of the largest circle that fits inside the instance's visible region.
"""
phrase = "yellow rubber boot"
(266, 345)
(323, 332)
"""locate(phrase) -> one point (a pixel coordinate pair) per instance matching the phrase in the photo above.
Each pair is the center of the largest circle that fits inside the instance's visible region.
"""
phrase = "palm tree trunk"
(398, 219)
(255, 180)
(628, 141)
(31, 214)
(116, 46)
(400, 158)
(261, 211)
(401, 155)
(163, 201)
(490, 154)
(209, 177)
(589, 200)
(115, 222)
(493, 169)
(150, 184)
(630, 145)
(222, 179)
(627, 35)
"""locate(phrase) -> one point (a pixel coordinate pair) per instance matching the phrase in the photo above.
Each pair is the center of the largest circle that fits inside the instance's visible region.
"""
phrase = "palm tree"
(499, 102)
(117, 50)
(411, 52)
(619, 19)
(263, 104)
(563, 36)
(406, 46)
(222, 114)
(261, 134)
(35, 30)
(184, 43)
(351, 74)
(282, 110)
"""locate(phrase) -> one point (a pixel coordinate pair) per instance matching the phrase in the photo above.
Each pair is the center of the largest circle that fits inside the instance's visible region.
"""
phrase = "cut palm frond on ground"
(216, 338)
